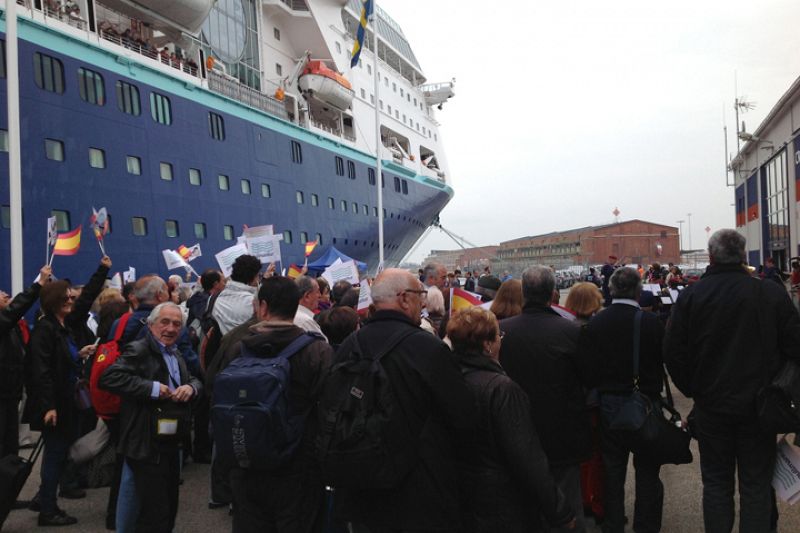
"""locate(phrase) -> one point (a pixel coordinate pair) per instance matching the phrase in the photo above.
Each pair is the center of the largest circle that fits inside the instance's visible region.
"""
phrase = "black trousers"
(267, 503)
(615, 449)
(9, 427)
(731, 444)
(157, 490)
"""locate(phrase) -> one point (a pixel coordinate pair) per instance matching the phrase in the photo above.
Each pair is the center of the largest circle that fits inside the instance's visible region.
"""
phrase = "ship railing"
(149, 51)
(296, 5)
(248, 96)
(66, 12)
(333, 130)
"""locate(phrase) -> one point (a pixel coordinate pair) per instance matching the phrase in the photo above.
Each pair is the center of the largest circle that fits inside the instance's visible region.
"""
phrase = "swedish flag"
(366, 13)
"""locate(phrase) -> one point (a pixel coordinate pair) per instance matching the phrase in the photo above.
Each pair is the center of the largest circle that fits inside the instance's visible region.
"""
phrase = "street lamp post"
(689, 229)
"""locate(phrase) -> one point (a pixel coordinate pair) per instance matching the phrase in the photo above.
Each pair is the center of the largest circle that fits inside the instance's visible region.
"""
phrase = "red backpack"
(106, 405)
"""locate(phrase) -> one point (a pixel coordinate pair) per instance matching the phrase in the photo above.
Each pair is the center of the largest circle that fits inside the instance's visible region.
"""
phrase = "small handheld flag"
(52, 235)
(310, 247)
(294, 271)
(67, 243)
(461, 299)
(99, 222)
(189, 254)
(366, 13)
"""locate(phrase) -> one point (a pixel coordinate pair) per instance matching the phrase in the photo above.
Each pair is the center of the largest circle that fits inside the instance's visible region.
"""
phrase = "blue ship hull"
(257, 147)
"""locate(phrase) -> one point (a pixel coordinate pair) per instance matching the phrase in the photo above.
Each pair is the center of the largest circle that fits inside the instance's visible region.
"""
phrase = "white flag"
(52, 231)
(173, 260)
(129, 275)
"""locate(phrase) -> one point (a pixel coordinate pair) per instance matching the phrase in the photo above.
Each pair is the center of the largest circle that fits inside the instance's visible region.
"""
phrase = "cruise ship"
(190, 119)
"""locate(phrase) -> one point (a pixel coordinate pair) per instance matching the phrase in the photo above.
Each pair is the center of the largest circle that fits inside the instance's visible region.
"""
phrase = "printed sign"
(226, 257)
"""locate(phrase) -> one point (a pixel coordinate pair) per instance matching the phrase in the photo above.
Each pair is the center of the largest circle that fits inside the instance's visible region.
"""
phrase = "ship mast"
(378, 170)
(14, 166)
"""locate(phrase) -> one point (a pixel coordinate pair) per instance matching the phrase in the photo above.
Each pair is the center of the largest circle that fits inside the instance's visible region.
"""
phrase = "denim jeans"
(731, 444)
(127, 502)
(615, 448)
(56, 446)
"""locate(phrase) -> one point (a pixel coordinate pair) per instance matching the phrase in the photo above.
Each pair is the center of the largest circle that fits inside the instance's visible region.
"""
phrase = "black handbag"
(171, 421)
(637, 407)
(654, 425)
(778, 404)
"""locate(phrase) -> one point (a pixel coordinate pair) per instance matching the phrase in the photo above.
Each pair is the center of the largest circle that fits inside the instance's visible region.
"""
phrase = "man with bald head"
(432, 397)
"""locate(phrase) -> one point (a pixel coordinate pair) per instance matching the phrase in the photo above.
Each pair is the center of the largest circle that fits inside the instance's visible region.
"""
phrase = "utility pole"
(680, 235)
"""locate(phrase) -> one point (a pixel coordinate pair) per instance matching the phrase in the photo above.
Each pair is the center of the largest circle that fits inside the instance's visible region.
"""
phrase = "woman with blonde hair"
(506, 481)
(584, 300)
(508, 301)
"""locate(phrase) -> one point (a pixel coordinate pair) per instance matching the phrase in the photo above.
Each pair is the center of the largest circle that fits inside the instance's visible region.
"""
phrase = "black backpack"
(364, 440)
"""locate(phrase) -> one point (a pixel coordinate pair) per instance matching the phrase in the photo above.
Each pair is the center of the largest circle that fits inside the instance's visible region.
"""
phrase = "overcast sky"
(565, 110)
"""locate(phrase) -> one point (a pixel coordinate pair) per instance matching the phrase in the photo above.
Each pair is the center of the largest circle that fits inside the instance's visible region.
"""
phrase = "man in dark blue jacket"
(728, 336)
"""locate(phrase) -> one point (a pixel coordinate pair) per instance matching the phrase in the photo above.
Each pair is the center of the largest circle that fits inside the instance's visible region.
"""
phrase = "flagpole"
(14, 165)
(378, 144)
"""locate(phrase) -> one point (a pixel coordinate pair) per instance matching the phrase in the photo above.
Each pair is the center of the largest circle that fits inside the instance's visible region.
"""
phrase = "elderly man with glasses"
(432, 396)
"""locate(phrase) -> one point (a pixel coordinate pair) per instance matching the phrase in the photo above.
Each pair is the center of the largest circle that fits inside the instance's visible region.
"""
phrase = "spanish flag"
(294, 271)
(366, 13)
(68, 243)
(461, 299)
(310, 247)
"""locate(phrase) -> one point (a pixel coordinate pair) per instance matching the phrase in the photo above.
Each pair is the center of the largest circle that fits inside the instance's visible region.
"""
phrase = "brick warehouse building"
(633, 242)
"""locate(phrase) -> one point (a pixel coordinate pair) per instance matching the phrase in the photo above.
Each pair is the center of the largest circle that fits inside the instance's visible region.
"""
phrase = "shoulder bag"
(654, 425)
(778, 403)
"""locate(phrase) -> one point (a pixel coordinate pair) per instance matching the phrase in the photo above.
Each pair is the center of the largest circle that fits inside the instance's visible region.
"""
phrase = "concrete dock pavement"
(682, 501)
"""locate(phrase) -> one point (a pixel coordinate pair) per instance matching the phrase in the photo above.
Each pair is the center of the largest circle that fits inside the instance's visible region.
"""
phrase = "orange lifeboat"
(326, 85)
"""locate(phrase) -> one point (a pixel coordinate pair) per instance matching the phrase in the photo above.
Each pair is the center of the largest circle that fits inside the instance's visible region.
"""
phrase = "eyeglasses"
(421, 292)
(70, 298)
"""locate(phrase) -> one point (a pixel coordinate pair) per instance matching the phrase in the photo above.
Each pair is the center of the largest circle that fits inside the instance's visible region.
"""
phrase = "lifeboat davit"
(326, 85)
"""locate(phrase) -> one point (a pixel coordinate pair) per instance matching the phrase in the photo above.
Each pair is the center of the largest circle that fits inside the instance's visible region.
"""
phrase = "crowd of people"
(495, 417)
(135, 40)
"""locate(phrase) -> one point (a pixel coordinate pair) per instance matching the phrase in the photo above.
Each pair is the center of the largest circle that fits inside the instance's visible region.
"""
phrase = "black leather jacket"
(505, 480)
(12, 346)
(131, 376)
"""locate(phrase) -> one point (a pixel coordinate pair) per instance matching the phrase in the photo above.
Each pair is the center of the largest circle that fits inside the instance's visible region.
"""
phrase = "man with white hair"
(309, 301)
(155, 385)
(430, 393)
(727, 337)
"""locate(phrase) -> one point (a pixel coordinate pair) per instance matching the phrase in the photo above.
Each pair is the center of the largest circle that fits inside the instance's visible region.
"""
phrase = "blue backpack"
(250, 419)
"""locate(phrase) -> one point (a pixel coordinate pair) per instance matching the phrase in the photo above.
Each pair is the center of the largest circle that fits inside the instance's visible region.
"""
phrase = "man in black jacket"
(149, 375)
(728, 336)
(432, 395)
(607, 341)
(12, 359)
(540, 353)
